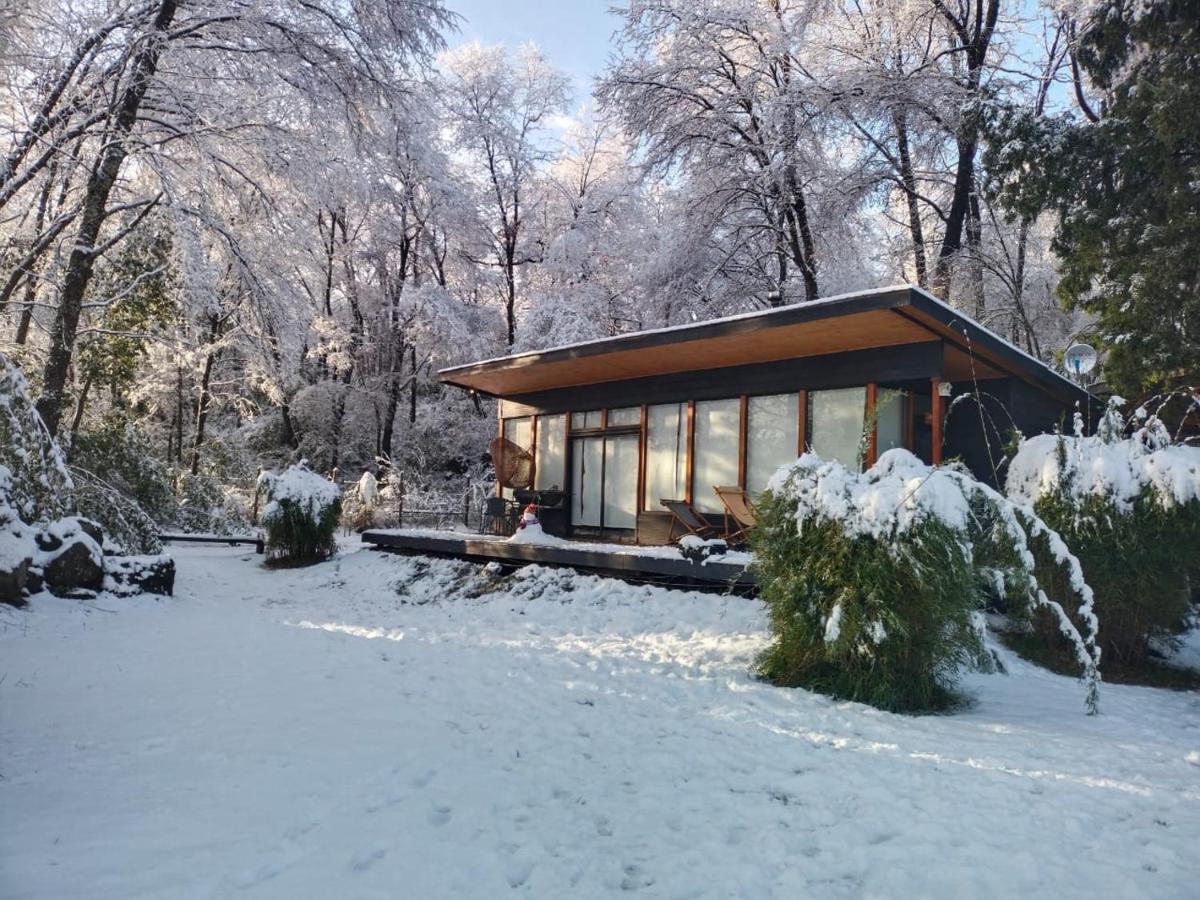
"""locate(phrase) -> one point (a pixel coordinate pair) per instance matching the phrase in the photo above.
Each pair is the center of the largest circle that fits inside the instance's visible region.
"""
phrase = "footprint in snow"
(518, 873)
(439, 815)
(364, 859)
(424, 778)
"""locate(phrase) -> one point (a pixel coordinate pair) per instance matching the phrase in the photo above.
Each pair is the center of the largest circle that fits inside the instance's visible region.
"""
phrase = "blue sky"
(574, 34)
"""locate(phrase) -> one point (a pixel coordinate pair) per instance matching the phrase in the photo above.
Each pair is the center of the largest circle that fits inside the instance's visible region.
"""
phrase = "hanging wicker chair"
(513, 463)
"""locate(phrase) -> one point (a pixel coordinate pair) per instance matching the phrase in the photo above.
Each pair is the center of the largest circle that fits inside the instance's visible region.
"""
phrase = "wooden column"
(641, 479)
(499, 434)
(873, 436)
(567, 487)
(935, 413)
(742, 411)
(802, 419)
(691, 450)
(533, 426)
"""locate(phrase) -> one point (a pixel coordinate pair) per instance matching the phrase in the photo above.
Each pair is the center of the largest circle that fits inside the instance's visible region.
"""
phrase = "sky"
(573, 34)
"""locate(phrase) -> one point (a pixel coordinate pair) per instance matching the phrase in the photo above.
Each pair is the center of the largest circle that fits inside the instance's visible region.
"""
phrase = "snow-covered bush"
(876, 581)
(17, 547)
(1129, 507)
(358, 506)
(208, 507)
(301, 515)
(120, 483)
(40, 485)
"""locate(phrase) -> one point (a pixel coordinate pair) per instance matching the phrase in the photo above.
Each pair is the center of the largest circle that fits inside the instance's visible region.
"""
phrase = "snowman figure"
(529, 516)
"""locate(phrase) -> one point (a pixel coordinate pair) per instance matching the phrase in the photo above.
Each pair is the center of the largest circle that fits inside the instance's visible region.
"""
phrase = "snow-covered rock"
(70, 556)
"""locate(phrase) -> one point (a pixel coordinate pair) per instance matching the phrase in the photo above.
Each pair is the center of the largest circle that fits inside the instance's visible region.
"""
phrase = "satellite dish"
(1080, 359)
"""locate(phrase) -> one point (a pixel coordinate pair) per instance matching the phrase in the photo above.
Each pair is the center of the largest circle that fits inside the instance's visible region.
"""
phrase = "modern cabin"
(619, 424)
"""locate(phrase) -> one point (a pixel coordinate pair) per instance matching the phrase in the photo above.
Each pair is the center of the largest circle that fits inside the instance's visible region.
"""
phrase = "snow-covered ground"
(368, 728)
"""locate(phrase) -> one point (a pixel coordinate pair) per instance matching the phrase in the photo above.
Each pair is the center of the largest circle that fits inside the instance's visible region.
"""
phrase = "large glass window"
(718, 425)
(583, 420)
(890, 407)
(520, 432)
(666, 454)
(630, 415)
(587, 462)
(836, 420)
(620, 481)
(772, 436)
(551, 458)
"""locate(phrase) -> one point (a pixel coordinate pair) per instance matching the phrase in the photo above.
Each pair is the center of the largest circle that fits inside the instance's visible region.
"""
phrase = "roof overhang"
(880, 318)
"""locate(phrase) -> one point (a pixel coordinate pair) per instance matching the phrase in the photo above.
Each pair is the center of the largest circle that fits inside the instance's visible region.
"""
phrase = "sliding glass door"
(620, 481)
(587, 481)
(604, 478)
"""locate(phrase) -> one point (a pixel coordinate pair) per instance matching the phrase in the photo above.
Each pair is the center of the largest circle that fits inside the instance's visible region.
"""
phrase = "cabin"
(616, 425)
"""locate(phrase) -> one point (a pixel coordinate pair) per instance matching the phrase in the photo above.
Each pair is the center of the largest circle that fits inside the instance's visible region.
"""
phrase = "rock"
(13, 581)
(696, 550)
(71, 559)
(140, 574)
(57, 533)
(78, 566)
(17, 550)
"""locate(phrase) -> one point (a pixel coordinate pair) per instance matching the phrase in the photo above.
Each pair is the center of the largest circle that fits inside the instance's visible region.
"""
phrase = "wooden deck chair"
(737, 508)
(686, 520)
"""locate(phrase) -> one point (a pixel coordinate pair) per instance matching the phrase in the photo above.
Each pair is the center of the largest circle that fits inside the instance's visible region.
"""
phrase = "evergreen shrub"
(301, 515)
(1129, 507)
(876, 581)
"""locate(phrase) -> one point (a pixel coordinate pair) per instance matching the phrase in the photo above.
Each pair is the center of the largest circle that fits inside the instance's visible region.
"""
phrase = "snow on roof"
(766, 314)
(668, 329)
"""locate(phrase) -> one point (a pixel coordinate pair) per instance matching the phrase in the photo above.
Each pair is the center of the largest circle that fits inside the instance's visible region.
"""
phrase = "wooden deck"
(655, 565)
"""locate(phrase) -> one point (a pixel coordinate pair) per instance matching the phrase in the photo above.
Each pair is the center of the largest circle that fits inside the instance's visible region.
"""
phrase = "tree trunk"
(956, 218)
(395, 386)
(510, 286)
(339, 416)
(412, 387)
(907, 176)
(79, 267)
(179, 414)
(289, 427)
(80, 403)
(204, 401)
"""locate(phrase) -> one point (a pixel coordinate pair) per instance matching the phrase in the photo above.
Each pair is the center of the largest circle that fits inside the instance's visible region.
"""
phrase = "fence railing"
(399, 506)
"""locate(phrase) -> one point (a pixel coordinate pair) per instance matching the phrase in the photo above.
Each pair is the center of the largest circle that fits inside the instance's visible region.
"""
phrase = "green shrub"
(1129, 507)
(40, 486)
(301, 515)
(121, 484)
(876, 581)
(205, 507)
(854, 619)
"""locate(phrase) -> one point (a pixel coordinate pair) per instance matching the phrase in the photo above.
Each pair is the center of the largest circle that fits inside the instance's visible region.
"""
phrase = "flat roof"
(882, 317)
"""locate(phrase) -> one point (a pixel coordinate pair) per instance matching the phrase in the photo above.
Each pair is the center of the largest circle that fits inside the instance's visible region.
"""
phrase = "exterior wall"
(978, 440)
(1007, 403)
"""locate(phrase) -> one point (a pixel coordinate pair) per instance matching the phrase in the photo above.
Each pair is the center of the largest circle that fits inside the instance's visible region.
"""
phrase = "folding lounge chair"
(739, 510)
(686, 520)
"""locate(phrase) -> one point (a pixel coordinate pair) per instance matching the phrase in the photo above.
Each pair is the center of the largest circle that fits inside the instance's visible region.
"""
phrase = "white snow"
(369, 728)
(1118, 469)
(889, 498)
(656, 551)
(301, 486)
(532, 533)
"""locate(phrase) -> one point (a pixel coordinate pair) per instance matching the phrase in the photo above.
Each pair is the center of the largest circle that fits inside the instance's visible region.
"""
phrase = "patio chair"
(497, 517)
(687, 521)
(739, 511)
